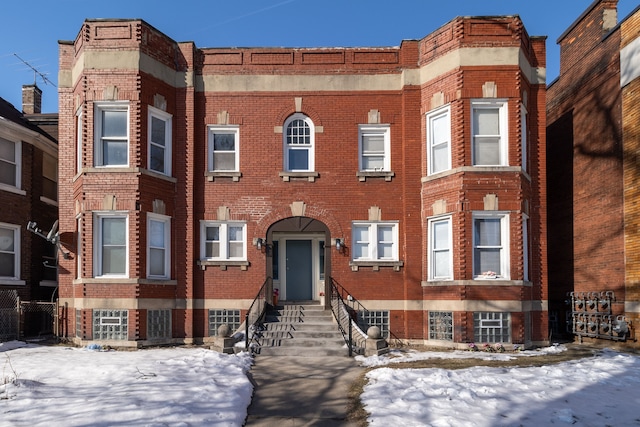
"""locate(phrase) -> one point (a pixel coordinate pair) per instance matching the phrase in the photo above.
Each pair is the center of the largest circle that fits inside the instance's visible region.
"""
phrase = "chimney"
(609, 15)
(31, 99)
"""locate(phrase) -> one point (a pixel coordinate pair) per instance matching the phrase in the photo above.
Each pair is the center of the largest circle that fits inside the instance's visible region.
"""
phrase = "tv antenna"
(36, 73)
(53, 236)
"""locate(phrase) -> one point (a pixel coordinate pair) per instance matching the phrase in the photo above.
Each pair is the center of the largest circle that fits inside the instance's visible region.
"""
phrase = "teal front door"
(299, 266)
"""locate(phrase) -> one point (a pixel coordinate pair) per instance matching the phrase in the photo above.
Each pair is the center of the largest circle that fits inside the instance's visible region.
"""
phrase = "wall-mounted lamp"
(258, 242)
(339, 244)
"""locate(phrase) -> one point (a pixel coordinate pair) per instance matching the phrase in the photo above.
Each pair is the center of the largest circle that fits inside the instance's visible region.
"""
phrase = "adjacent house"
(593, 138)
(411, 176)
(28, 192)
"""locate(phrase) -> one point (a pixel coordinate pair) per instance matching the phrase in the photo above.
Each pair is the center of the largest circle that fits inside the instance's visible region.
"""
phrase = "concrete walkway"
(294, 391)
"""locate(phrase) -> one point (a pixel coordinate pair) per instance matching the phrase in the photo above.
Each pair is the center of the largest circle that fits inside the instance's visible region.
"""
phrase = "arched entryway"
(299, 258)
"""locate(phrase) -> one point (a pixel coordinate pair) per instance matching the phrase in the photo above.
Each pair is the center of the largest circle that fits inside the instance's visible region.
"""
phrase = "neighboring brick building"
(593, 137)
(413, 176)
(28, 192)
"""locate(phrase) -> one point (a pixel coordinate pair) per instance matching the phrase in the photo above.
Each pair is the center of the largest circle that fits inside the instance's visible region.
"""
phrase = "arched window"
(298, 144)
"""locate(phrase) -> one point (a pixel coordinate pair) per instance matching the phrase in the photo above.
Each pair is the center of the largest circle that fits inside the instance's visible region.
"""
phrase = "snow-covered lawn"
(603, 390)
(63, 386)
(45, 386)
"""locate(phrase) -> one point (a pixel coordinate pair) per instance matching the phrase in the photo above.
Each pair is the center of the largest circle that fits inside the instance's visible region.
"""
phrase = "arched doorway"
(299, 261)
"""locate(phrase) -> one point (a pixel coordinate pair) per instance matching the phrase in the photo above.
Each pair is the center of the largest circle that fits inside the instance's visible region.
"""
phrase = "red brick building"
(593, 135)
(28, 192)
(413, 176)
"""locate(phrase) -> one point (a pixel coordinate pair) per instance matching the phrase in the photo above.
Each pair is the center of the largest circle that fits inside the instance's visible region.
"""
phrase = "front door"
(299, 266)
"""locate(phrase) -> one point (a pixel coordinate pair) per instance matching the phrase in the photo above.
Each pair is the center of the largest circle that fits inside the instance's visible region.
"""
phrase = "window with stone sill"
(374, 242)
(223, 241)
(489, 127)
(160, 141)
(111, 130)
(10, 163)
(9, 251)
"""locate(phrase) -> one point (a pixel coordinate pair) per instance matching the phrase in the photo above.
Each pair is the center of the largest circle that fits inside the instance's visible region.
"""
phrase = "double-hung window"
(159, 132)
(375, 148)
(49, 177)
(440, 250)
(489, 129)
(298, 144)
(224, 149)
(111, 134)
(524, 137)
(439, 140)
(9, 251)
(110, 244)
(225, 240)
(491, 246)
(158, 246)
(375, 241)
(10, 163)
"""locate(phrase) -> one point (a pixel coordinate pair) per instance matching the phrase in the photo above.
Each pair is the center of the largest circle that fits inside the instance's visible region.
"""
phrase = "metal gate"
(20, 319)
(9, 316)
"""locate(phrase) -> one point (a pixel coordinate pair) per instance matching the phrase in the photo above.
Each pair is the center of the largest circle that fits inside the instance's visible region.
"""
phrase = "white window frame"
(371, 245)
(17, 162)
(310, 148)
(79, 145)
(79, 254)
(212, 131)
(503, 247)
(166, 222)
(433, 250)
(223, 240)
(365, 131)
(167, 119)
(503, 117)
(526, 262)
(99, 108)
(98, 243)
(432, 116)
(524, 114)
(16, 251)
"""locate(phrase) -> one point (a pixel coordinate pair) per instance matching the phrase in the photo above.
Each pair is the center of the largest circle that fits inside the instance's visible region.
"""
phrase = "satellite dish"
(53, 231)
(6, 243)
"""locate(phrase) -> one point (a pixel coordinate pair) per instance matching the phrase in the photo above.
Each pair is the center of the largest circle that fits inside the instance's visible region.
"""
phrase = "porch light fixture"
(258, 242)
(339, 245)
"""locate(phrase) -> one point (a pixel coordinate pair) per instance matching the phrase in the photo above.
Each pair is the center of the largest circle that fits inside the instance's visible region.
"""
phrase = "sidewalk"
(294, 391)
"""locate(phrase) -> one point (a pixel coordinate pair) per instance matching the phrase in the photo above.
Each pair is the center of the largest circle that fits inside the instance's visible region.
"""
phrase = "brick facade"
(254, 92)
(591, 170)
(24, 198)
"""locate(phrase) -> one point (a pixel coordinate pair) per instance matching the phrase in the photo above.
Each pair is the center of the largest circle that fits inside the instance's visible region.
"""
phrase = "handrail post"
(350, 338)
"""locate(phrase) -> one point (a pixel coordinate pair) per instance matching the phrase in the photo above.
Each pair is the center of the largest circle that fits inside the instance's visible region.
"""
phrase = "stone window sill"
(375, 265)
(223, 264)
(363, 175)
(235, 176)
(309, 176)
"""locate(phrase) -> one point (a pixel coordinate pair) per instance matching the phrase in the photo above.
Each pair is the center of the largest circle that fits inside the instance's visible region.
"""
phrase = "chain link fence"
(19, 319)
(9, 316)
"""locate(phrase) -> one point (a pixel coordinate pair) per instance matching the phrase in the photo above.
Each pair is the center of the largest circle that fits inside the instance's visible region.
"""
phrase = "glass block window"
(222, 316)
(491, 327)
(158, 324)
(441, 325)
(78, 323)
(366, 319)
(110, 324)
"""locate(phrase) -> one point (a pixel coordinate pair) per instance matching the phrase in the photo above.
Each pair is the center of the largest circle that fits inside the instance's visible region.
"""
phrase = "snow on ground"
(603, 390)
(44, 386)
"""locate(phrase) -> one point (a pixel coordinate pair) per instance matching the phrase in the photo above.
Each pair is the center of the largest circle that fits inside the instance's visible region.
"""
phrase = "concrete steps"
(300, 330)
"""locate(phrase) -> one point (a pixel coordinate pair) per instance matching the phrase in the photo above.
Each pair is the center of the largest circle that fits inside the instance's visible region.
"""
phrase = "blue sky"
(31, 30)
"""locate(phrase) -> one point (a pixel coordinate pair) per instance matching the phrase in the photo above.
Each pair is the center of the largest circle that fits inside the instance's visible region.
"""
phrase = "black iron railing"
(255, 315)
(345, 310)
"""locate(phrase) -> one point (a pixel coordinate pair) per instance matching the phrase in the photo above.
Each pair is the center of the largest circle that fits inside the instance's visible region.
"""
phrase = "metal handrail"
(256, 313)
(346, 317)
